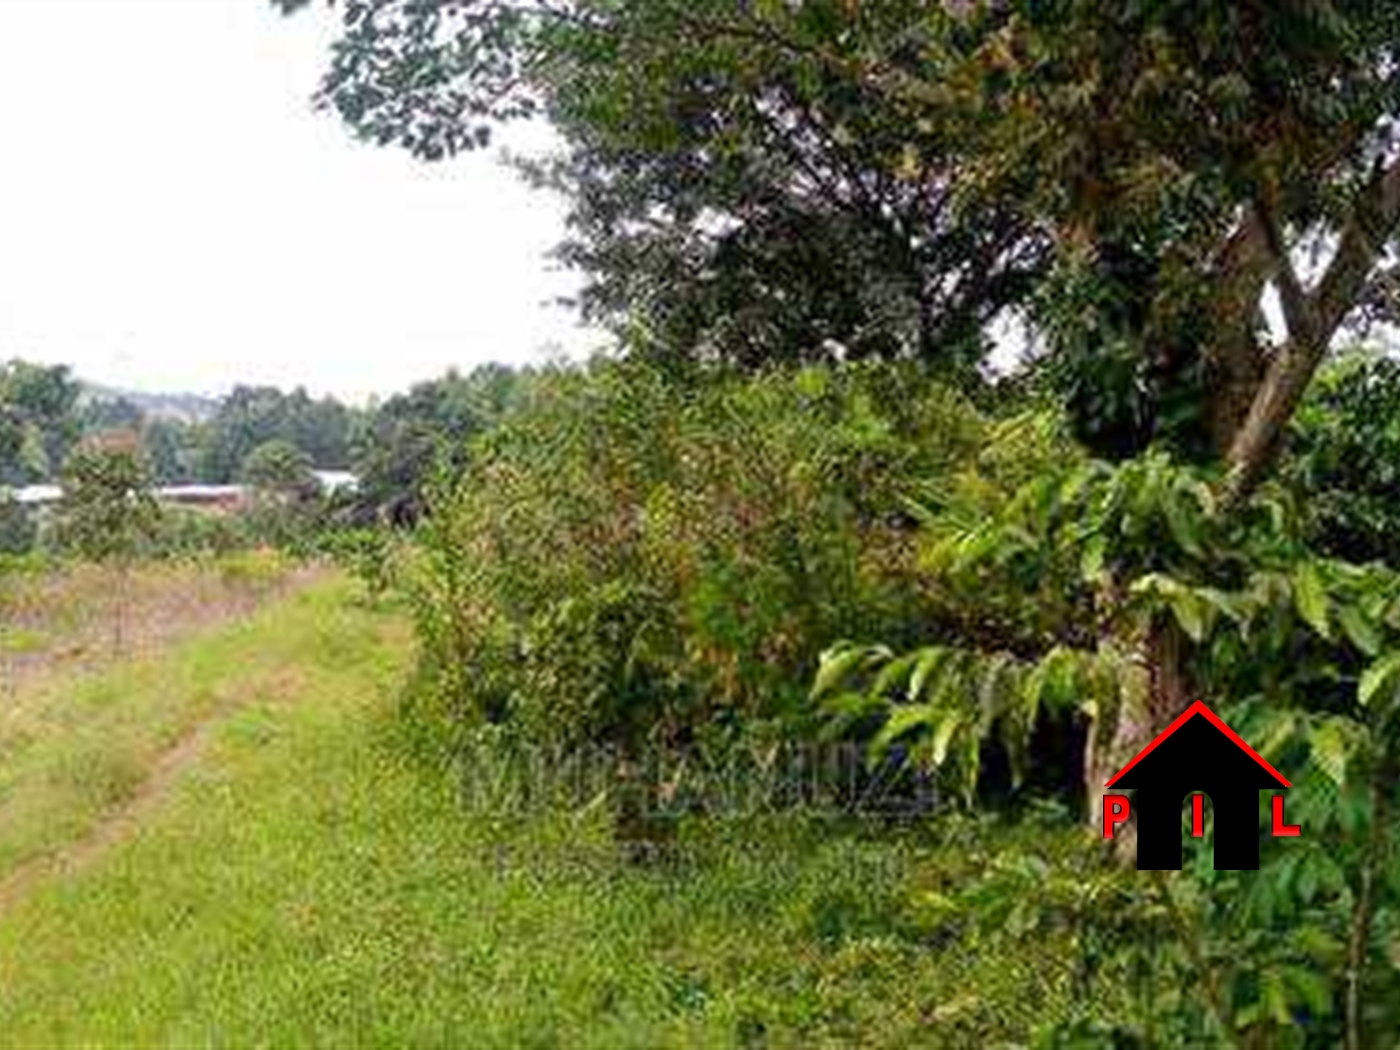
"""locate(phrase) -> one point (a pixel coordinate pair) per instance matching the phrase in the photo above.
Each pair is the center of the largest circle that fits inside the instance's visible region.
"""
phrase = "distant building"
(337, 480)
(36, 495)
(220, 497)
(217, 497)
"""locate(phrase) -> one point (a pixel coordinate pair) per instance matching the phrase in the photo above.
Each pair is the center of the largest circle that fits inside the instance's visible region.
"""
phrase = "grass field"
(232, 850)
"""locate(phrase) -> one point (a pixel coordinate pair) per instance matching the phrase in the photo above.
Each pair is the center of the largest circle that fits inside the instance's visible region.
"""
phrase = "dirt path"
(121, 824)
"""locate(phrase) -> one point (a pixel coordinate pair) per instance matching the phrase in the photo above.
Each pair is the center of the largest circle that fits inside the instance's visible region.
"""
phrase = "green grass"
(73, 747)
(306, 884)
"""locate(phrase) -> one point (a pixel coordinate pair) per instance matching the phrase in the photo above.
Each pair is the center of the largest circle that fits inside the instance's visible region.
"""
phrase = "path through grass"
(299, 882)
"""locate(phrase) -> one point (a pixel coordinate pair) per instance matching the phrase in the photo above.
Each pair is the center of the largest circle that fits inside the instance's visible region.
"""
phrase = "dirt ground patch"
(85, 617)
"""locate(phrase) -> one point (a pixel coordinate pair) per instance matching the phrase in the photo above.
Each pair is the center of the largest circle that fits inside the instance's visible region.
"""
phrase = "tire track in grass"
(121, 823)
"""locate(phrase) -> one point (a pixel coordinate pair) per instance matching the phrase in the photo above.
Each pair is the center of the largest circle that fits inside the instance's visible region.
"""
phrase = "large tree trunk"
(1159, 690)
(1254, 395)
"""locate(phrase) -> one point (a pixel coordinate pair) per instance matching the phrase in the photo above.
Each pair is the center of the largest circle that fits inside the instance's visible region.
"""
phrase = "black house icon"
(1198, 752)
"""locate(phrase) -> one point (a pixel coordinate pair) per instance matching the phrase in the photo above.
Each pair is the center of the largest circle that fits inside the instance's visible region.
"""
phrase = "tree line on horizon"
(392, 445)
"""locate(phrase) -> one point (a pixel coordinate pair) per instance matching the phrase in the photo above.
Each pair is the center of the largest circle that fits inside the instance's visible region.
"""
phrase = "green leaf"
(1380, 675)
(993, 691)
(1276, 997)
(1279, 731)
(943, 735)
(1190, 613)
(904, 720)
(892, 672)
(1225, 604)
(1180, 523)
(840, 661)
(1310, 596)
(930, 660)
(1310, 988)
(1032, 690)
(1329, 749)
(1092, 562)
(852, 704)
(1063, 677)
(1359, 630)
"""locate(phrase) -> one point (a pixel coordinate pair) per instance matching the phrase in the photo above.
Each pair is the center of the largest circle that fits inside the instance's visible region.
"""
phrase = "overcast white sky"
(175, 216)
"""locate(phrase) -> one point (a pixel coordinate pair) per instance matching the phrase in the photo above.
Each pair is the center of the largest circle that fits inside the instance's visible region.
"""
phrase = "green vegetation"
(406, 441)
(655, 566)
(37, 421)
(630, 560)
(795, 517)
(300, 881)
(758, 186)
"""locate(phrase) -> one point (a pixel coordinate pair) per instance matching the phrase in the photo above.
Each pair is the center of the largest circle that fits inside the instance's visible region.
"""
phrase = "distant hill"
(185, 408)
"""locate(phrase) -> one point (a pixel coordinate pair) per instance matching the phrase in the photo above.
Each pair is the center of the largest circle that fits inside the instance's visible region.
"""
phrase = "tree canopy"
(740, 199)
(37, 425)
(816, 171)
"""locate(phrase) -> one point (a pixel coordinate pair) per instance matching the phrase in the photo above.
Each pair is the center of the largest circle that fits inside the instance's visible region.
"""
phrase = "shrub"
(367, 552)
(632, 560)
(186, 531)
(18, 530)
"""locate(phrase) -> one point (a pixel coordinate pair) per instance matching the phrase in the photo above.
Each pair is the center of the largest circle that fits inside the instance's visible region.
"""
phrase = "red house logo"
(1196, 753)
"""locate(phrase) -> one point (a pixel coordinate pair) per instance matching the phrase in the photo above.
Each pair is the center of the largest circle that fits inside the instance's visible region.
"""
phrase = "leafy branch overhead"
(1070, 562)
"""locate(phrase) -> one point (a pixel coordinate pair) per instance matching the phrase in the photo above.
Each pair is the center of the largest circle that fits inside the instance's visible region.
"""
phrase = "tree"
(108, 511)
(281, 470)
(1183, 157)
(37, 420)
(171, 448)
(250, 416)
(401, 443)
(739, 201)
(1175, 160)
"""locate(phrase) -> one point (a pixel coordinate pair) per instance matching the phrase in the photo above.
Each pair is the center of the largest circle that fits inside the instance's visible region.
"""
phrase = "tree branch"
(1234, 359)
(1373, 220)
(1297, 310)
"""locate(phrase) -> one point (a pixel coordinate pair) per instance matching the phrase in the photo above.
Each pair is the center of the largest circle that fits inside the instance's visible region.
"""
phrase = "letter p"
(1115, 812)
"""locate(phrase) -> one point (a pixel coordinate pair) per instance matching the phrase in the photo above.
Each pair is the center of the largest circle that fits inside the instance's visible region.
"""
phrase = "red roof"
(1199, 708)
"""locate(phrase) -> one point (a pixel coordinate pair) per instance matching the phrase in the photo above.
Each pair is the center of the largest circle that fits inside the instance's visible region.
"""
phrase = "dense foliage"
(629, 560)
(639, 565)
(251, 416)
(400, 445)
(1347, 459)
(37, 423)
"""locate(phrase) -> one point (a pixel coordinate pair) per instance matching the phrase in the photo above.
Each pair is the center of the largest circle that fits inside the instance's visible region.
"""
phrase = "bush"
(18, 529)
(187, 531)
(634, 561)
(367, 552)
(1345, 459)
